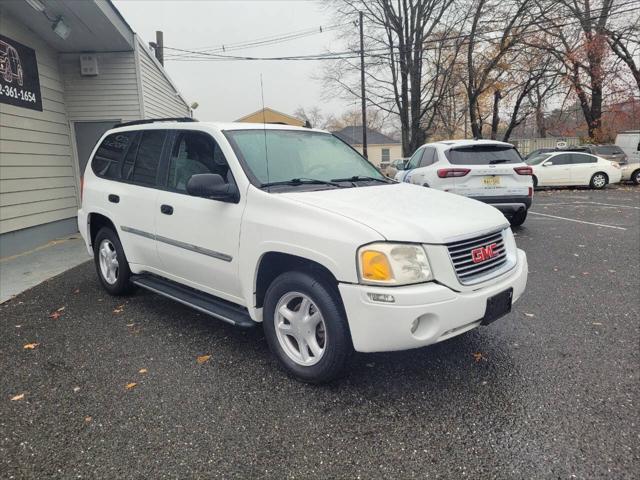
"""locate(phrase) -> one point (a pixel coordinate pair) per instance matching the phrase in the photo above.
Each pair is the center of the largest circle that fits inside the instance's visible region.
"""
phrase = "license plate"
(491, 181)
(498, 306)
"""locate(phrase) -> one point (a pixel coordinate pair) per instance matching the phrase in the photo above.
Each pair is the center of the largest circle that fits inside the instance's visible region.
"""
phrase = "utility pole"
(362, 94)
(160, 47)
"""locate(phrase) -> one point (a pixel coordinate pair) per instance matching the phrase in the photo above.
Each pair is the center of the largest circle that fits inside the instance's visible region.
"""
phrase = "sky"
(228, 90)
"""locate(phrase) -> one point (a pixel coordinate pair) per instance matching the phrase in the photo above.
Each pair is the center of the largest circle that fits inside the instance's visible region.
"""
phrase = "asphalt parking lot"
(550, 391)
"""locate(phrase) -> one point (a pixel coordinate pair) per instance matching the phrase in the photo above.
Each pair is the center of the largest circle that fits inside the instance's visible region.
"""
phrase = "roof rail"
(154, 120)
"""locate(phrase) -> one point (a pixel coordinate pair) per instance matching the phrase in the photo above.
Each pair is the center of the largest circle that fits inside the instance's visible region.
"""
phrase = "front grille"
(461, 257)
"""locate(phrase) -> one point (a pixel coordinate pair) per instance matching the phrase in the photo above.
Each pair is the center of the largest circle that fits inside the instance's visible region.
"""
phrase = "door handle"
(166, 209)
(114, 198)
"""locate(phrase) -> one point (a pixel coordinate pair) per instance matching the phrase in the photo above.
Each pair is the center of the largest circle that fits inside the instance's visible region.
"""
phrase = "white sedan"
(573, 169)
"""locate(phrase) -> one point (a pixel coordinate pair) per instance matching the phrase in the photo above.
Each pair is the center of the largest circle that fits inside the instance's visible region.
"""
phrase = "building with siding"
(58, 95)
(380, 147)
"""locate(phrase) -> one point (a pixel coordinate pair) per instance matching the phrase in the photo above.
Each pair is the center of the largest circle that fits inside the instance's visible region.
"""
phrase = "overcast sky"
(227, 90)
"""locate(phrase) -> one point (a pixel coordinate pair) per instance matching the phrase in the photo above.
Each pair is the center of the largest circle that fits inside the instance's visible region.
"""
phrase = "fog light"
(381, 297)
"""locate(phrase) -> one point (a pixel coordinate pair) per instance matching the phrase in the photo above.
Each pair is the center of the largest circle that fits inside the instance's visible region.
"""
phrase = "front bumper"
(439, 313)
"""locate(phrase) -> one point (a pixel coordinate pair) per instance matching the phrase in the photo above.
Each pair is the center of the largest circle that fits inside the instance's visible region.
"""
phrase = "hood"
(408, 213)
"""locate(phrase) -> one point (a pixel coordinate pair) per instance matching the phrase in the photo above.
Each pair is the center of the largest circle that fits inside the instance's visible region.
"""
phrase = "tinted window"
(608, 150)
(580, 158)
(108, 158)
(429, 157)
(144, 168)
(538, 159)
(483, 155)
(194, 153)
(562, 159)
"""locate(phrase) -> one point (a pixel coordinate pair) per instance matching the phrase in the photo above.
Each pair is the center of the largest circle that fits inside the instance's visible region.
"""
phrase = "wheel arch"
(95, 222)
(274, 263)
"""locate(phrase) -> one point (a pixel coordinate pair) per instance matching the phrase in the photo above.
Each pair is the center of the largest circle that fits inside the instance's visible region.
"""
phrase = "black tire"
(337, 340)
(596, 181)
(122, 285)
(635, 177)
(535, 181)
(518, 218)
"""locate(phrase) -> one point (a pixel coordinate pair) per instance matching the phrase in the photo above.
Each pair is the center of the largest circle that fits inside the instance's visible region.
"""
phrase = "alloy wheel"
(599, 181)
(300, 328)
(108, 259)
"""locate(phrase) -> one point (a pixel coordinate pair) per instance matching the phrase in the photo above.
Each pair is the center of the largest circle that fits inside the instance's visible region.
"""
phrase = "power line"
(194, 55)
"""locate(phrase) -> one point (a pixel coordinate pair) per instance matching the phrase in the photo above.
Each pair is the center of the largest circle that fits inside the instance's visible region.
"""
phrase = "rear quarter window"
(483, 155)
(107, 161)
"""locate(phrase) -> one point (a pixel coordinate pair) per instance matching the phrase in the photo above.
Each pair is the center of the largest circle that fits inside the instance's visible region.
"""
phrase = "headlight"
(393, 264)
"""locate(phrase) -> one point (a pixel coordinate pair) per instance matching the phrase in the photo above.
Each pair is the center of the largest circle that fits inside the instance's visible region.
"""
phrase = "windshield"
(483, 155)
(538, 159)
(282, 155)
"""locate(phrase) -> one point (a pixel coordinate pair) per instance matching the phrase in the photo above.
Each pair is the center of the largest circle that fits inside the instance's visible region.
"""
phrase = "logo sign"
(19, 81)
(482, 254)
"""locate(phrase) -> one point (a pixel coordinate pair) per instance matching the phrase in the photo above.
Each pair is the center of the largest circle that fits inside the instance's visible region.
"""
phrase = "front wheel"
(306, 327)
(598, 181)
(635, 177)
(111, 263)
(535, 181)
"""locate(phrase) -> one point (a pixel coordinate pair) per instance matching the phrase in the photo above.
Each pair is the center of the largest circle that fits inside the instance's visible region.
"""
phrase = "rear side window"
(145, 166)
(429, 157)
(581, 158)
(483, 155)
(562, 159)
(107, 161)
(130, 156)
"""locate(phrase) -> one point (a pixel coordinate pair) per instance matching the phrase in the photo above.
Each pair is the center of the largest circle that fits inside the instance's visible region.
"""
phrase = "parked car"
(573, 169)
(608, 152)
(570, 148)
(10, 66)
(395, 166)
(486, 170)
(291, 228)
(629, 142)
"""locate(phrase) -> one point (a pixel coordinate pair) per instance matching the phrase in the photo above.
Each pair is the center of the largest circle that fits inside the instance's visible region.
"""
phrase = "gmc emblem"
(482, 254)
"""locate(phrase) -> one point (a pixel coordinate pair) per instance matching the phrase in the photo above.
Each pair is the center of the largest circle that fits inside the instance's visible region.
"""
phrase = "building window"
(386, 157)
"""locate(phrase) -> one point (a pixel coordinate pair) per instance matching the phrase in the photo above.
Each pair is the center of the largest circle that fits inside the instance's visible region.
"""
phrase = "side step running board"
(203, 302)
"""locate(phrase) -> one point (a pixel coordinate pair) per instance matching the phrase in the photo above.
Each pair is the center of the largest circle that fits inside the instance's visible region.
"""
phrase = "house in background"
(380, 148)
(269, 115)
(79, 69)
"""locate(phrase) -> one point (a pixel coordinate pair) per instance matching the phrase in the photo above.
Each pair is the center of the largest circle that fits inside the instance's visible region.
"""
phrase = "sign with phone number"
(19, 80)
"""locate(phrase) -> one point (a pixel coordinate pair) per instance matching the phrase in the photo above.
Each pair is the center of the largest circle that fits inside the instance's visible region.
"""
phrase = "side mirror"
(547, 163)
(211, 185)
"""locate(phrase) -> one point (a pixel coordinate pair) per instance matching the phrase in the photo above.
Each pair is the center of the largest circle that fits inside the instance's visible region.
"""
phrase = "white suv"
(486, 170)
(292, 228)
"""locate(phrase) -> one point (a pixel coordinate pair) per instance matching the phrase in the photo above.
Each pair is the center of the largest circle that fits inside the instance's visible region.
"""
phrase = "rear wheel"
(535, 181)
(305, 326)
(635, 177)
(518, 218)
(598, 181)
(111, 263)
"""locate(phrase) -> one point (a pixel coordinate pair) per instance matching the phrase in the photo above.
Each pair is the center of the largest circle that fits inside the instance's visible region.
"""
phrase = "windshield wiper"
(360, 178)
(300, 181)
(500, 160)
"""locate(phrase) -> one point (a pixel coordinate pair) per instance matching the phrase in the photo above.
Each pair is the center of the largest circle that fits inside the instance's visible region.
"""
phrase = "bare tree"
(582, 50)
(625, 43)
(401, 38)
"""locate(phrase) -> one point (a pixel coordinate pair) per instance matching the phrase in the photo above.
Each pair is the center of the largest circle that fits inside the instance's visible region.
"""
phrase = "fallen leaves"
(30, 346)
(88, 419)
(119, 309)
(15, 398)
(478, 357)
(142, 370)
(202, 358)
(130, 386)
(76, 389)
(57, 314)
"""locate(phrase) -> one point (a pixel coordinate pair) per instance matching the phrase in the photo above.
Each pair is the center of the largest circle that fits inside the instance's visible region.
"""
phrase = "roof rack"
(154, 120)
